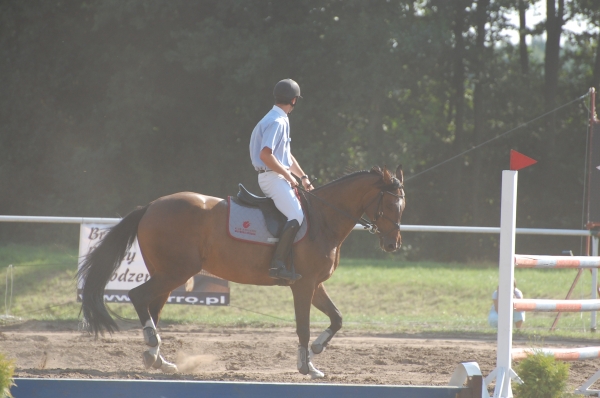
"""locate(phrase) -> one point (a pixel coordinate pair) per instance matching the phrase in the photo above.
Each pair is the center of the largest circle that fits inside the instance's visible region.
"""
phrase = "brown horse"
(183, 233)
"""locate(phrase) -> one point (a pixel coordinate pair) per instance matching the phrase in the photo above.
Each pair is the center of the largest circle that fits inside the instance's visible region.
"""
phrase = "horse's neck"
(344, 204)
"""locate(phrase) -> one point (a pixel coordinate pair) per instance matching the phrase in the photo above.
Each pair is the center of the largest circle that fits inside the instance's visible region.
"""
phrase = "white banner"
(202, 289)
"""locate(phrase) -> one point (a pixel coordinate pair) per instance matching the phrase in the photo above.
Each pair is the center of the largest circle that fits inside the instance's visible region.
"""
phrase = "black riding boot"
(278, 269)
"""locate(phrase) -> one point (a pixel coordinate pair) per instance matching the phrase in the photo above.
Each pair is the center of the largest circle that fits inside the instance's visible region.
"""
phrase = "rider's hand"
(307, 184)
(291, 180)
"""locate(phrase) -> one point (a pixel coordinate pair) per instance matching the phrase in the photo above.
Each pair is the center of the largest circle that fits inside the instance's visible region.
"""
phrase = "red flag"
(519, 161)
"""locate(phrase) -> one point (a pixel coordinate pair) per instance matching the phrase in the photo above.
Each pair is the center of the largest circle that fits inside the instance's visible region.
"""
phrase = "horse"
(181, 234)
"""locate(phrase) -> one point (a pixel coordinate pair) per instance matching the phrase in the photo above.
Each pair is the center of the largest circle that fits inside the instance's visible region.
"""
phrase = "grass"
(377, 295)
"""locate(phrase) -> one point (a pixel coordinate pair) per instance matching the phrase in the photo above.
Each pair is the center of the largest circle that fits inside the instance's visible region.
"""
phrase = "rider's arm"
(266, 155)
(298, 172)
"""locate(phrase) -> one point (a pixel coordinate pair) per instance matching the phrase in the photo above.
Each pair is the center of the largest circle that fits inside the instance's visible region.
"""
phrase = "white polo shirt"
(273, 131)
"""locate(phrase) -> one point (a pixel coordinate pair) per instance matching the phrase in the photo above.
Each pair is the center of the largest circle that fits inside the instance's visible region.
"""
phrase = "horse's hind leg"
(323, 303)
(154, 291)
(156, 306)
(160, 362)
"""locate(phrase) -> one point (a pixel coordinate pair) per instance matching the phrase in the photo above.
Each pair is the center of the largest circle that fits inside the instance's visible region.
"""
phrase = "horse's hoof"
(149, 359)
(317, 348)
(169, 368)
(164, 365)
(314, 372)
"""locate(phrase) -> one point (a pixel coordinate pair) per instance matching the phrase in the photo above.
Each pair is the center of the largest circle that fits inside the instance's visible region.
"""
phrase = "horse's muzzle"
(390, 245)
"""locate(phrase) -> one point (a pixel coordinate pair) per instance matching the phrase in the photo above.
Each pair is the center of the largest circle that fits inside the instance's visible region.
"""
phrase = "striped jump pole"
(541, 305)
(526, 261)
(567, 262)
(562, 354)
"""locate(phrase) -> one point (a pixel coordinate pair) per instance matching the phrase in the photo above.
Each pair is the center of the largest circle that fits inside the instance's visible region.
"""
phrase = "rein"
(368, 225)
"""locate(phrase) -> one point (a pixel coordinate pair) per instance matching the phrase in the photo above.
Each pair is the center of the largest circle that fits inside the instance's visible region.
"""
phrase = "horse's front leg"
(303, 291)
(323, 303)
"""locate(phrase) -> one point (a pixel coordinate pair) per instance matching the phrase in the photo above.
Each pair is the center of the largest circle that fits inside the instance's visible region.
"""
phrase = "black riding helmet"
(285, 91)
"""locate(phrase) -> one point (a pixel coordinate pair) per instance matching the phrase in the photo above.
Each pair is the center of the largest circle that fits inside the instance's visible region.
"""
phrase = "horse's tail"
(98, 267)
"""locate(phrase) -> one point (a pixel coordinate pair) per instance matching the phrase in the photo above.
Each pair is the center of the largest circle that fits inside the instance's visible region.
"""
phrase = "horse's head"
(385, 210)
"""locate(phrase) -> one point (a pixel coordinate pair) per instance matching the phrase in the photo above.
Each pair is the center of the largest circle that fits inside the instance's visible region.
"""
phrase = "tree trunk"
(523, 53)
(481, 17)
(458, 90)
(596, 74)
(376, 148)
(554, 24)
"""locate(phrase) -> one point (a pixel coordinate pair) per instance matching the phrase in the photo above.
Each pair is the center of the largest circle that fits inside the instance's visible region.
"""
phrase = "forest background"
(110, 104)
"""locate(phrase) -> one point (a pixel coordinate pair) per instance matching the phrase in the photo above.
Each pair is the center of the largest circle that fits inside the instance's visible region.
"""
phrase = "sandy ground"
(58, 350)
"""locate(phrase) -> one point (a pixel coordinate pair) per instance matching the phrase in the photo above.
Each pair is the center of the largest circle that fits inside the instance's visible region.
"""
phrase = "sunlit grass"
(375, 295)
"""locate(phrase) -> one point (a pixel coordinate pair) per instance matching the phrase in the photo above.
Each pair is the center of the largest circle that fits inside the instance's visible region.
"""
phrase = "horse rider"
(276, 166)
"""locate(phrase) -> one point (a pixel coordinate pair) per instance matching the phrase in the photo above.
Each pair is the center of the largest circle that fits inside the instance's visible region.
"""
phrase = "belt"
(263, 171)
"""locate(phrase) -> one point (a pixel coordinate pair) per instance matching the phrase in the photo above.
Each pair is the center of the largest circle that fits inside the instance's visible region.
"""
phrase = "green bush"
(7, 369)
(543, 377)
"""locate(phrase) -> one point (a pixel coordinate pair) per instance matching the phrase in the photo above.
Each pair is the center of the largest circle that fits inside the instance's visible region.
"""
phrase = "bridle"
(369, 225)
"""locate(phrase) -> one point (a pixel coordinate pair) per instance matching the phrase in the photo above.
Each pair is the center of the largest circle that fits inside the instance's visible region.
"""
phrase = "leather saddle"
(274, 219)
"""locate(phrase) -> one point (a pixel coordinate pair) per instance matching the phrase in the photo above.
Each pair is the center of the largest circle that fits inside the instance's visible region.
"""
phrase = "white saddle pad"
(248, 224)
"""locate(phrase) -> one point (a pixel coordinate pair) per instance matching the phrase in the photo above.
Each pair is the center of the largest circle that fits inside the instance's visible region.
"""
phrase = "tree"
(523, 32)
(110, 104)
(481, 19)
(555, 19)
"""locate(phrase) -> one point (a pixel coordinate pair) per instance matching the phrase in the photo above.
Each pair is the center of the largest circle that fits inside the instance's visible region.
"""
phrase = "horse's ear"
(399, 174)
(387, 177)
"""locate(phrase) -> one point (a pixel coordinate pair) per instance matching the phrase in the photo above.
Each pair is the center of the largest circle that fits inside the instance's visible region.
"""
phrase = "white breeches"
(279, 189)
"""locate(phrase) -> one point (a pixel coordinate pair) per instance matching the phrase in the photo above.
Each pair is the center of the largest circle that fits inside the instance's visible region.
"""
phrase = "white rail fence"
(404, 228)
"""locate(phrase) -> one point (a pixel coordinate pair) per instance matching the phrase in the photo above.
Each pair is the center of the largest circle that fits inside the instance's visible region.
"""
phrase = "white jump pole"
(508, 221)
(503, 373)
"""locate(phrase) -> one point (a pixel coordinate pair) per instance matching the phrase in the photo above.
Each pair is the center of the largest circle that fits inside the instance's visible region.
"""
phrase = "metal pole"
(592, 121)
(579, 272)
(594, 282)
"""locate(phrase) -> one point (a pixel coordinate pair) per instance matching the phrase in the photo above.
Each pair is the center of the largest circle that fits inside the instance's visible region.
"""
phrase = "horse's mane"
(374, 170)
(307, 205)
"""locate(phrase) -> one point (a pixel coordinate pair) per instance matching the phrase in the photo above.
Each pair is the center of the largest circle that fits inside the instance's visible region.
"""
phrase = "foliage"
(543, 377)
(7, 370)
(110, 104)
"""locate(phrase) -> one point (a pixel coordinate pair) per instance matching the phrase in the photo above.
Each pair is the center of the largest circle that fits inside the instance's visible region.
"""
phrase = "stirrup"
(283, 273)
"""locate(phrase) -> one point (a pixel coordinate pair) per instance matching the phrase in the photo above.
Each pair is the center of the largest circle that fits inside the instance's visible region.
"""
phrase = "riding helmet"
(285, 91)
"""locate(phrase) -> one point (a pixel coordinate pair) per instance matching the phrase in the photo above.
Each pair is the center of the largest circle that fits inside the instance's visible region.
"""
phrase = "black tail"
(99, 265)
